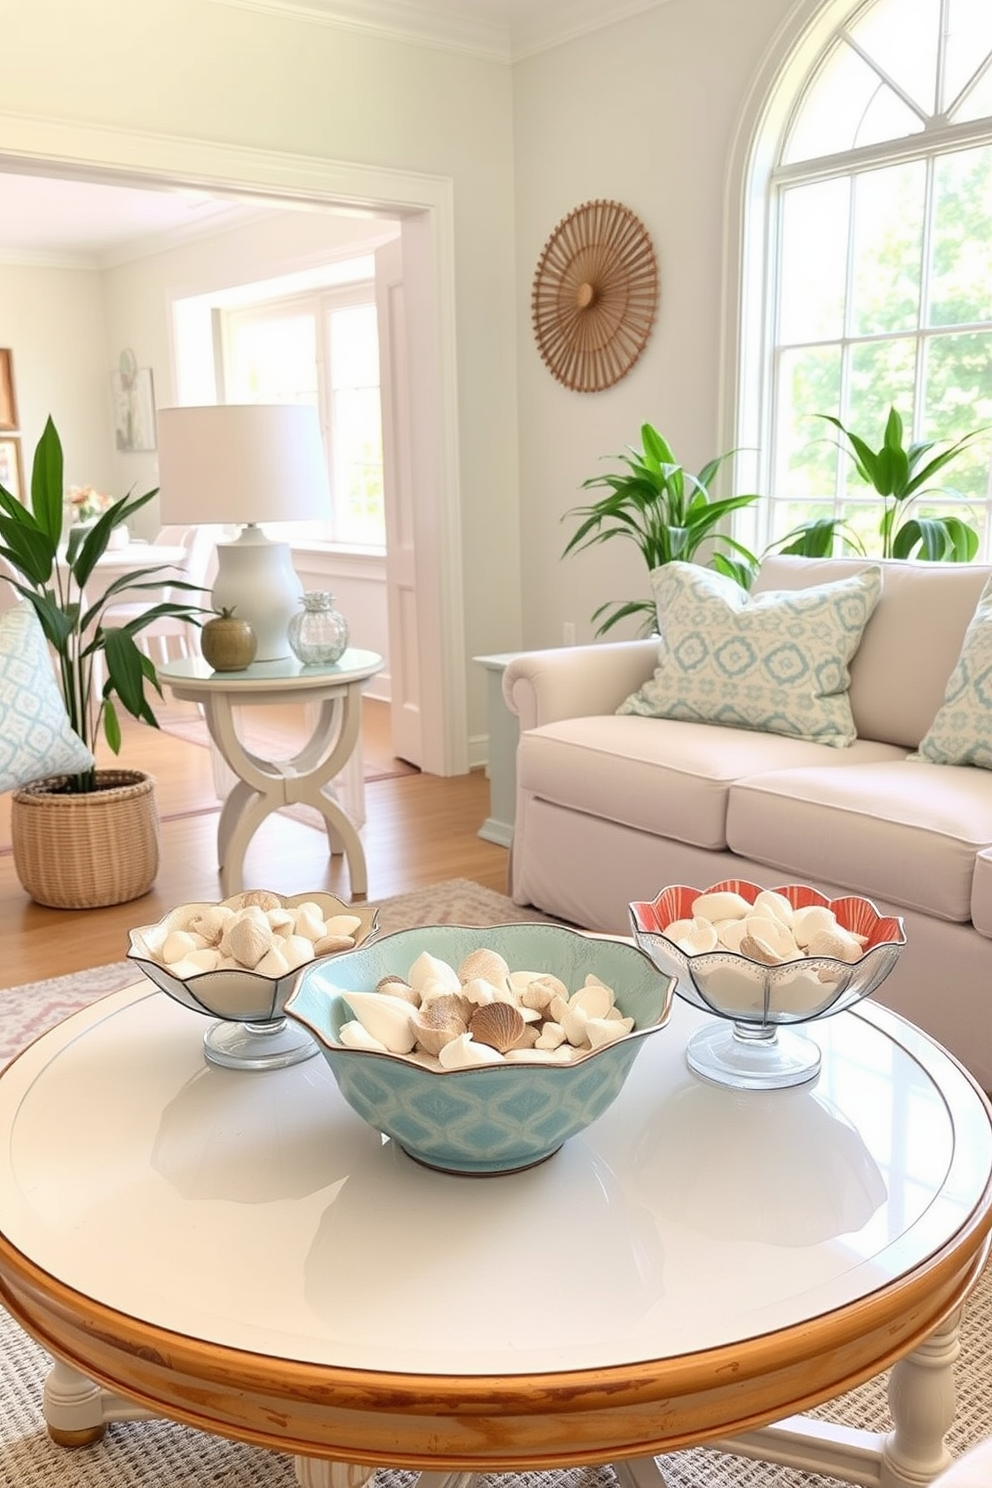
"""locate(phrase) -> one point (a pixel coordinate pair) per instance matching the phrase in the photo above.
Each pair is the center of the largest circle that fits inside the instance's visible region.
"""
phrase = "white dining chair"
(168, 636)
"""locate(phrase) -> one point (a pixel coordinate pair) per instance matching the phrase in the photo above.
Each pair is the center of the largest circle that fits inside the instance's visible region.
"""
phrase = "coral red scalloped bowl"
(750, 991)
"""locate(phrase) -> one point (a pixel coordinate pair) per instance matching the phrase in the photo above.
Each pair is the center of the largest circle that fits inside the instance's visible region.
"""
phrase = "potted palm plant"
(90, 838)
(668, 513)
(900, 474)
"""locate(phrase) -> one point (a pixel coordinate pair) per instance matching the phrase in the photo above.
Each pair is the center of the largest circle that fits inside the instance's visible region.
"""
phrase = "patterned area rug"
(159, 1454)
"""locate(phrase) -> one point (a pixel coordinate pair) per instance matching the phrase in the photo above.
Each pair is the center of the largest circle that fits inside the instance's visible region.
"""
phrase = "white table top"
(259, 1212)
(285, 674)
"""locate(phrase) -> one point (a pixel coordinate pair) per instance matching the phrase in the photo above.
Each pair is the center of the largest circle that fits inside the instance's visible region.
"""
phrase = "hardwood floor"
(420, 829)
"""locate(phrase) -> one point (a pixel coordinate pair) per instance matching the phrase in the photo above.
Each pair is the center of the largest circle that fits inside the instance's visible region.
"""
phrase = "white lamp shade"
(237, 463)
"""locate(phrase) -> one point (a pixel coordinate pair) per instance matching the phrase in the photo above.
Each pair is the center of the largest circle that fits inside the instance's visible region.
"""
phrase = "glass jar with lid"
(318, 635)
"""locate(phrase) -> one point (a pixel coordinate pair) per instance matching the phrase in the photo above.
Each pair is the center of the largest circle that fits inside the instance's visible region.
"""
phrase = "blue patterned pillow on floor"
(961, 733)
(776, 662)
(35, 735)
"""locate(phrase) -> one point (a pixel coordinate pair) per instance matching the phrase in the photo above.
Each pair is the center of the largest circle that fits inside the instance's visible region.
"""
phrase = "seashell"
(773, 935)
(601, 1031)
(808, 920)
(386, 1018)
(273, 964)
(756, 948)
(309, 921)
(730, 933)
(777, 906)
(528, 1038)
(463, 1052)
(484, 963)
(397, 987)
(184, 969)
(531, 1015)
(557, 1008)
(539, 991)
(206, 958)
(297, 950)
(247, 942)
(281, 921)
(701, 937)
(178, 944)
(211, 922)
(594, 999)
(250, 916)
(499, 1025)
(428, 968)
(561, 1055)
(446, 1007)
(433, 1039)
(725, 904)
(574, 1021)
(479, 991)
(838, 943)
(255, 899)
(329, 945)
(355, 1035)
(551, 1036)
(343, 924)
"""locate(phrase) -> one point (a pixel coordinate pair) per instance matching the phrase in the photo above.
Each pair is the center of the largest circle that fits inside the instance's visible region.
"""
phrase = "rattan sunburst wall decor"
(595, 296)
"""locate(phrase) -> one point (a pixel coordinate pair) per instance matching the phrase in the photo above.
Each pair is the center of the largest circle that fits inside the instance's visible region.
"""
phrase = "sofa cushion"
(662, 776)
(915, 632)
(906, 832)
(776, 661)
(981, 893)
(36, 738)
(961, 733)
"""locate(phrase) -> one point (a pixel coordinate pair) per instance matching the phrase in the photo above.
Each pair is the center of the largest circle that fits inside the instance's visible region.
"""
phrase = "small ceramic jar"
(227, 643)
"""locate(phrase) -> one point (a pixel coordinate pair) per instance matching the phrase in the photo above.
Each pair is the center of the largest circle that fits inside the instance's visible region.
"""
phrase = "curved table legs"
(265, 786)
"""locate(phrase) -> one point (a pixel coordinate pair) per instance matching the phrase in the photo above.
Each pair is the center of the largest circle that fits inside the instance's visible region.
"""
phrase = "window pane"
(961, 258)
(354, 347)
(848, 105)
(883, 375)
(357, 425)
(969, 38)
(814, 259)
(273, 360)
(978, 104)
(809, 383)
(901, 36)
(888, 238)
(959, 399)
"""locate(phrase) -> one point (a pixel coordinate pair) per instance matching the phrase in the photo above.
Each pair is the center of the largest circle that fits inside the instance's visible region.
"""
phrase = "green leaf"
(47, 483)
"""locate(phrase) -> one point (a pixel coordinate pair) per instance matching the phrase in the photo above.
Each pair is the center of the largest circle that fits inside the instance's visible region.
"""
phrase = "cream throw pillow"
(961, 733)
(35, 736)
(776, 662)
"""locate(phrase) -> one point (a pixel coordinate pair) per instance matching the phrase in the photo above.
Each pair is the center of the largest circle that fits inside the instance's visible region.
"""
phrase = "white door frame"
(424, 205)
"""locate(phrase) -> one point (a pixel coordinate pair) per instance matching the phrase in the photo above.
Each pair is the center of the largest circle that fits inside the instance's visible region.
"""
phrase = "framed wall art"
(134, 404)
(11, 472)
(8, 398)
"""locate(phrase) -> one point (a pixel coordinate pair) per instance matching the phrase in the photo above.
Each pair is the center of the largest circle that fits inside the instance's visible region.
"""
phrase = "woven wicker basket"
(86, 851)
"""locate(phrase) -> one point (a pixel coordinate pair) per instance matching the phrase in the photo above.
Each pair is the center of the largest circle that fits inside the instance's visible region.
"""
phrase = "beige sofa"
(612, 808)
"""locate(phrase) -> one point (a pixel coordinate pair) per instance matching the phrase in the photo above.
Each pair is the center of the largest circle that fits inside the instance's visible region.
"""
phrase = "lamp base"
(256, 578)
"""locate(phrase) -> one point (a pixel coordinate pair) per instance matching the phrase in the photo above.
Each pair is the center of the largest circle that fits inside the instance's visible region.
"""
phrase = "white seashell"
(837, 943)
(428, 968)
(296, 949)
(601, 1031)
(594, 999)
(464, 1052)
(397, 987)
(774, 937)
(387, 1018)
(561, 1055)
(701, 937)
(551, 1036)
(309, 921)
(329, 945)
(730, 933)
(574, 1021)
(261, 899)
(178, 944)
(273, 964)
(675, 929)
(777, 906)
(281, 921)
(757, 948)
(355, 1035)
(479, 991)
(183, 969)
(723, 905)
(485, 963)
(211, 922)
(207, 958)
(531, 1015)
(344, 924)
(557, 1007)
(248, 942)
(432, 1039)
(808, 920)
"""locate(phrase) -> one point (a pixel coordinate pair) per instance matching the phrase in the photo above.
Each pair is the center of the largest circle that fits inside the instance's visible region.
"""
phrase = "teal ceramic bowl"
(494, 1118)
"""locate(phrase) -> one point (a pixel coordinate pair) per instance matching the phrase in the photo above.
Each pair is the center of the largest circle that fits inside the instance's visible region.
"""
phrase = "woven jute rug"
(161, 1454)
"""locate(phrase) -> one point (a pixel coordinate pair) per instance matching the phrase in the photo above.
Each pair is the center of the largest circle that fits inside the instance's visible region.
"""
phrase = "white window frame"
(747, 410)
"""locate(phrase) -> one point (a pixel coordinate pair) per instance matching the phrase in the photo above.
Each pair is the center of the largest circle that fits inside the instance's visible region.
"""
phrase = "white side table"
(307, 778)
(504, 733)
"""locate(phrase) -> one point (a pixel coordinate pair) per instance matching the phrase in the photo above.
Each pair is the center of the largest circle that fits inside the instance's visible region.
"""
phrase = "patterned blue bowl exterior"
(491, 1118)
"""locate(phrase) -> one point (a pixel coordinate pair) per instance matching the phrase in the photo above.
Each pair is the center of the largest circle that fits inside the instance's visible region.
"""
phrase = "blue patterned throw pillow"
(776, 662)
(35, 736)
(961, 733)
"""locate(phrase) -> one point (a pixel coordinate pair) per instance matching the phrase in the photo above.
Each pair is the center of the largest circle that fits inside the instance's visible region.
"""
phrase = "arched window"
(866, 258)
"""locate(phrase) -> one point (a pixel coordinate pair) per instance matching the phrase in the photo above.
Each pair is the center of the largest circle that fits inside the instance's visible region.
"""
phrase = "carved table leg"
(77, 1410)
(922, 1400)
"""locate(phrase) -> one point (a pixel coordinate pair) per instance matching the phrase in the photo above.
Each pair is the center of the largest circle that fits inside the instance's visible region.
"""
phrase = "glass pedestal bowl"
(250, 1031)
(756, 1044)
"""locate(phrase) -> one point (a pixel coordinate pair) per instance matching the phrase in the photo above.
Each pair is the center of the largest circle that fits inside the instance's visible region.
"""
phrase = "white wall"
(643, 113)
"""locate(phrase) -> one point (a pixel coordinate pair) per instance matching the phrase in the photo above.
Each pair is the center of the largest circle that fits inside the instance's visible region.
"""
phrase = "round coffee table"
(239, 1251)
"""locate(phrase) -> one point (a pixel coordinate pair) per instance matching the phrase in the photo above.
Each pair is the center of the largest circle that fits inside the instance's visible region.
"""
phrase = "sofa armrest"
(576, 681)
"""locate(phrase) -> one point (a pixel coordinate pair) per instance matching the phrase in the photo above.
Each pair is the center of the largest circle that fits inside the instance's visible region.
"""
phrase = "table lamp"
(242, 464)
